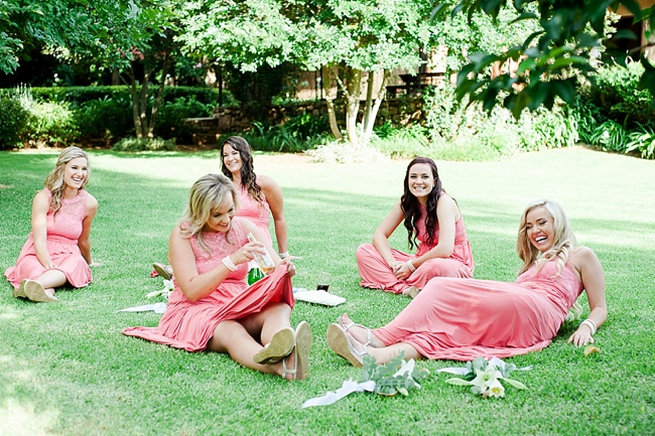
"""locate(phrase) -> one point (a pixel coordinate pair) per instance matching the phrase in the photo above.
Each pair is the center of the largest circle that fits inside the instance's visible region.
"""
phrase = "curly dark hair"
(248, 176)
(410, 204)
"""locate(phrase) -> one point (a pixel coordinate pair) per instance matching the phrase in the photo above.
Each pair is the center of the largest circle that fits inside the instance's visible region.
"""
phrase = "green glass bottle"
(254, 274)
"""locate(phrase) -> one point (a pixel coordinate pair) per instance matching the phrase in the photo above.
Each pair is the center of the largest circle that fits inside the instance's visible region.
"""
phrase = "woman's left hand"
(402, 271)
(582, 336)
(291, 268)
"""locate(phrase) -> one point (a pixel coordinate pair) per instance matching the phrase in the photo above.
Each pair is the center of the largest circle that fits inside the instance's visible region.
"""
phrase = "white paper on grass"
(318, 297)
(157, 308)
(349, 386)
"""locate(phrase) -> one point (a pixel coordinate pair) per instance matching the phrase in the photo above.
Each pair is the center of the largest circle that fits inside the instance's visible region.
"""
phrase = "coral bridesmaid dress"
(376, 274)
(190, 325)
(62, 233)
(461, 319)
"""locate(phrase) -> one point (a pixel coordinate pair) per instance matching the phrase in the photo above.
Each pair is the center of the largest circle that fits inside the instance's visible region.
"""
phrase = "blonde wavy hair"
(207, 195)
(564, 243)
(55, 181)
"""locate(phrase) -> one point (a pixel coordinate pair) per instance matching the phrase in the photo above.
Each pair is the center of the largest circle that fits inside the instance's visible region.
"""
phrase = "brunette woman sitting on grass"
(212, 307)
(462, 319)
(429, 215)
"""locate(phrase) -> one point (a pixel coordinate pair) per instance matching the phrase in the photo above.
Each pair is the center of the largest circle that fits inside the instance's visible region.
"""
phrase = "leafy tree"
(549, 58)
(134, 38)
(348, 40)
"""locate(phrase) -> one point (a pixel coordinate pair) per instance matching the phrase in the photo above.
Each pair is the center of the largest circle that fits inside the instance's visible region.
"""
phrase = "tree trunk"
(160, 93)
(369, 100)
(326, 74)
(353, 83)
(135, 103)
(143, 102)
(370, 117)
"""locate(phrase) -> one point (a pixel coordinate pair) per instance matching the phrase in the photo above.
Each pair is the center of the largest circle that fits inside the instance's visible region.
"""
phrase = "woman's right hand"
(247, 253)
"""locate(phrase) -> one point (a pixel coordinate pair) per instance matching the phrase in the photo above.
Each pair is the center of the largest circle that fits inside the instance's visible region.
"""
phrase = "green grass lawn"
(66, 369)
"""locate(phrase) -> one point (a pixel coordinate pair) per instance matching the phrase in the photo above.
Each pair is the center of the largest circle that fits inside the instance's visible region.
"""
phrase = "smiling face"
(232, 159)
(420, 180)
(540, 228)
(76, 172)
(220, 219)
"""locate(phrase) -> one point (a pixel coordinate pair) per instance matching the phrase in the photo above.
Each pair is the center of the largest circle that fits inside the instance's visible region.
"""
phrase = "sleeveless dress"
(190, 324)
(376, 273)
(461, 319)
(62, 234)
(258, 213)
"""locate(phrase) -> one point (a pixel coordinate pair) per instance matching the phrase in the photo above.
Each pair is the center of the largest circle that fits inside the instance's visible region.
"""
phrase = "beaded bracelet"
(591, 324)
(411, 266)
(229, 264)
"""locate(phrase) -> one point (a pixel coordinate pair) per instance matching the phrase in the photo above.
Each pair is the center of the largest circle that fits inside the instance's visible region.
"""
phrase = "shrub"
(642, 141)
(170, 121)
(144, 144)
(53, 123)
(13, 121)
(614, 90)
(299, 133)
(106, 118)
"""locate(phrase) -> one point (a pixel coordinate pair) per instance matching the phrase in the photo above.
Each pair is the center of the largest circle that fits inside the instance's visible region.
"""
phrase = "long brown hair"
(248, 176)
(410, 204)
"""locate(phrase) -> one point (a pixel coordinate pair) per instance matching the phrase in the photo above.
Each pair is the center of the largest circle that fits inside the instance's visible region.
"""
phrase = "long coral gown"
(376, 273)
(62, 233)
(461, 319)
(190, 325)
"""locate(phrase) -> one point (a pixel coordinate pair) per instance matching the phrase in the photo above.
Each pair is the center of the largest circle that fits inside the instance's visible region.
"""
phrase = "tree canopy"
(562, 46)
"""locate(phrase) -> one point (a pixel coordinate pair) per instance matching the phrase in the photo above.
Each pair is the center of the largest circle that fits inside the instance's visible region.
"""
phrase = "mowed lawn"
(66, 369)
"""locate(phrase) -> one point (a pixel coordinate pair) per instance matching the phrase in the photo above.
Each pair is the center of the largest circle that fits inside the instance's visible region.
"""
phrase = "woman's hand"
(582, 336)
(247, 253)
(291, 268)
(402, 271)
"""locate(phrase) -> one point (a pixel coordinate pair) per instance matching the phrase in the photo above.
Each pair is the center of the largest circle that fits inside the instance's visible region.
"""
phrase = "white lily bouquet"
(484, 376)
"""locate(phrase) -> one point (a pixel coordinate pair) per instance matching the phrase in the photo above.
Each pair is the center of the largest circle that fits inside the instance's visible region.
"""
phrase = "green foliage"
(462, 131)
(144, 144)
(106, 118)
(170, 121)
(642, 141)
(300, 133)
(401, 142)
(13, 122)
(396, 376)
(81, 94)
(615, 91)
(53, 122)
(256, 89)
(609, 136)
(564, 45)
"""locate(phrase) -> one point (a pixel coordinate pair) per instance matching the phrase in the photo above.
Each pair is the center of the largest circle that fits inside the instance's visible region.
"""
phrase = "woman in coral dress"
(461, 319)
(429, 215)
(212, 307)
(259, 196)
(58, 249)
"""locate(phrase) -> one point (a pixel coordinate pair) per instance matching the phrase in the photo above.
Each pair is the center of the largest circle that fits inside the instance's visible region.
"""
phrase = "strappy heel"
(281, 346)
(301, 349)
(341, 344)
(346, 327)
